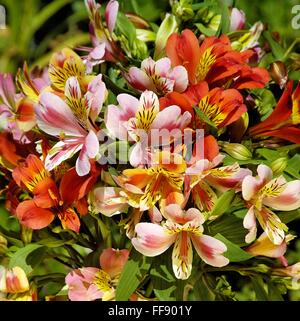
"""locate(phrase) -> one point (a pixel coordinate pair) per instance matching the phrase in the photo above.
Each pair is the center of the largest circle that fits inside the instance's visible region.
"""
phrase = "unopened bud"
(13, 280)
(279, 165)
(3, 245)
(138, 21)
(26, 234)
(279, 73)
(182, 9)
(168, 26)
(237, 151)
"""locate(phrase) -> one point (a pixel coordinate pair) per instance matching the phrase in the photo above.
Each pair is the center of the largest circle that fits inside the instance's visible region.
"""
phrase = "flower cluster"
(112, 158)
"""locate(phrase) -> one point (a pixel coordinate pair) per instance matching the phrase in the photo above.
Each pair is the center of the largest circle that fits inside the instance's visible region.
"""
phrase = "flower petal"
(182, 256)
(287, 200)
(111, 13)
(151, 239)
(210, 250)
(32, 216)
(54, 117)
(250, 224)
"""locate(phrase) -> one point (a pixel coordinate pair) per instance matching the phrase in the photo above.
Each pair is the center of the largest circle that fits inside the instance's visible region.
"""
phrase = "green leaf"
(293, 167)
(206, 31)
(230, 227)
(115, 88)
(53, 242)
(202, 289)
(286, 217)
(258, 287)
(234, 252)
(273, 292)
(132, 275)
(19, 258)
(162, 276)
(223, 203)
(277, 50)
(126, 28)
(225, 19)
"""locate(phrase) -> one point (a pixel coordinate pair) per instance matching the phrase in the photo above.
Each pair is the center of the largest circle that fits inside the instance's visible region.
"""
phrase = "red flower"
(222, 107)
(214, 61)
(284, 120)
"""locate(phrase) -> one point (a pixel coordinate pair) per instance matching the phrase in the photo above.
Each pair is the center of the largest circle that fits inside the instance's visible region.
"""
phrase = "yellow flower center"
(205, 63)
(145, 117)
(36, 179)
(212, 111)
(103, 281)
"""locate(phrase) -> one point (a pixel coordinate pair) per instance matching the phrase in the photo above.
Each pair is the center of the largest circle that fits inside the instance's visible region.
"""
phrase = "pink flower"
(13, 280)
(89, 283)
(204, 175)
(237, 19)
(112, 261)
(99, 34)
(263, 193)
(16, 111)
(107, 201)
(94, 57)
(71, 120)
(158, 76)
(183, 228)
(134, 120)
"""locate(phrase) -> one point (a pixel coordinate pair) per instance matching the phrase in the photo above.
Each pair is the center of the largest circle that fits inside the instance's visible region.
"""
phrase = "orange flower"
(285, 118)
(162, 181)
(214, 61)
(48, 200)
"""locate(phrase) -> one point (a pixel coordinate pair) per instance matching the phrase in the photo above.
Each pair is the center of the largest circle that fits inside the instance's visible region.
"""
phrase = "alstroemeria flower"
(264, 247)
(33, 83)
(263, 193)
(107, 200)
(284, 121)
(90, 284)
(222, 107)
(183, 228)
(164, 179)
(16, 111)
(65, 64)
(134, 120)
(49, 201)
(204, 176)
(94, 57)
(158, 76)
(101, 35)
(71, 120)
(13, 280)
(214, 61)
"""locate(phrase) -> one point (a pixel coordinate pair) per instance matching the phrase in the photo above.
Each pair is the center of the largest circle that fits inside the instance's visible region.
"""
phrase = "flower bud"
(291, 271)
(279, 73)
(279, 165)
(3, 245)
(237, 19)
(13, 280)
(237, 151)
(112, 261)
(167, 27)
(182, 9)
(26, 234)
(138, 21)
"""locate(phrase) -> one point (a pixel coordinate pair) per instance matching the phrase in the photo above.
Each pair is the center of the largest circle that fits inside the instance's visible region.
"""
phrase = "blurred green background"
(35, 28)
